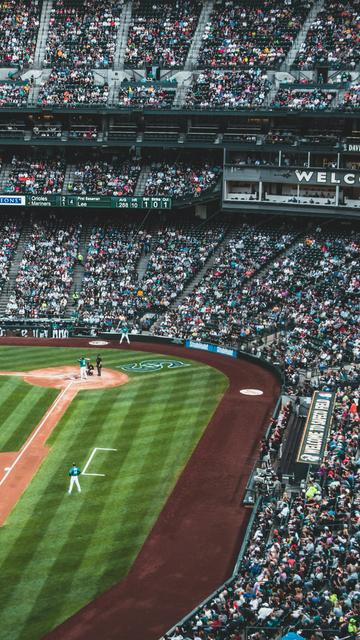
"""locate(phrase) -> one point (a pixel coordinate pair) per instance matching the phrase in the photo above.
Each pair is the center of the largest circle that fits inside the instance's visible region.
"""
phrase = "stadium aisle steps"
(193, 54)
(14, 268)
(43, 33)
(317, 7)
(142, 180)
(79, 269)
(122, 37)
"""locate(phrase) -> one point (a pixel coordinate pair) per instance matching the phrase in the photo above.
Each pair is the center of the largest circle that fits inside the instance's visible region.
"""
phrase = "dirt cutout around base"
(18, 468)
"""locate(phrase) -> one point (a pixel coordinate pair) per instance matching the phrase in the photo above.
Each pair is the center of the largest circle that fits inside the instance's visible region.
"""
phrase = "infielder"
(83, 367)
(124, 333)
(74, 472)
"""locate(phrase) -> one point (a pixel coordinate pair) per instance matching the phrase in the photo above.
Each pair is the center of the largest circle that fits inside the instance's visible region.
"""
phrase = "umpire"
(98, 364)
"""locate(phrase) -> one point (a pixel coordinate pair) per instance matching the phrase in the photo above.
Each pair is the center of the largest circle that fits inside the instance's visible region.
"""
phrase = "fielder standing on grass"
(99, 364)
(124, 333)
(74, 473)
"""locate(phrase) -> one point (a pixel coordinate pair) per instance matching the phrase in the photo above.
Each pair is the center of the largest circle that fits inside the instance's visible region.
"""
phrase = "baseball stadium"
(179, 320)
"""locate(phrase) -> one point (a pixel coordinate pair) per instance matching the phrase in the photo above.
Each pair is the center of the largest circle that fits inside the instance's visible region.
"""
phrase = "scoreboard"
(106, 202)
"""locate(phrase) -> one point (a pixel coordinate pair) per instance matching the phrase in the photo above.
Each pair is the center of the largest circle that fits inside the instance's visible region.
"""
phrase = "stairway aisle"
(122, 38)
(14, 268)
(79, 268)
(142, 180)
(300, 38)
(43, 34)
(193, 54)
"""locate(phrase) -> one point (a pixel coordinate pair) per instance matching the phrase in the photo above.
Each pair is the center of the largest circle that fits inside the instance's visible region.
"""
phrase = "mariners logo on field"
(149, 366)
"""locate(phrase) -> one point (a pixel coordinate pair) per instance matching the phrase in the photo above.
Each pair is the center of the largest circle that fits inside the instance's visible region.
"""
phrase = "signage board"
(316, 430)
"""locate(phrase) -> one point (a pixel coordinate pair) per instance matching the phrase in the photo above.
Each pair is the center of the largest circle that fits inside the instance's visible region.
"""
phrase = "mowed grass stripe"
(24, 409)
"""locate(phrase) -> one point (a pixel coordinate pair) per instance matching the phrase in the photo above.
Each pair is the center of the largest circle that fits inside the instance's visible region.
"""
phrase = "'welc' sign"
(316, 430)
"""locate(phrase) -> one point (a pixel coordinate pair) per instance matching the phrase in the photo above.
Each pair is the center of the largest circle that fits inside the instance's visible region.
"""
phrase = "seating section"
(19, 25)
(230, 89)
(161, 33)
(103, 178)
(10, 229)
(311, 100)
(72, 87)
(299, 569)
(111, 291)
(181, 180)
(13, 95)
(333, 37)
(35, 176)
(304, 292)
(351, 99)
(82, 33)
(146, 95)
(255, 34)
(46, 270)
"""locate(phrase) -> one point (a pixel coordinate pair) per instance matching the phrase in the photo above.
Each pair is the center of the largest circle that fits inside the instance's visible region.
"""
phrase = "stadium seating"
(9, 236)
(35, 176)
(257, 34)
(19, 24)
(103, 178)
(180, 180)
(72, 87)
(214, 89)
(161, 33)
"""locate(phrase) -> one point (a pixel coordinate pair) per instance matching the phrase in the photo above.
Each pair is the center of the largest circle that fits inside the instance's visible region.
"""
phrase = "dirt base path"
(18, 468)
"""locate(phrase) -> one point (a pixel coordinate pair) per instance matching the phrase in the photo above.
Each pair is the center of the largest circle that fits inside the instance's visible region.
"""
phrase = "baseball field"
(59, 551)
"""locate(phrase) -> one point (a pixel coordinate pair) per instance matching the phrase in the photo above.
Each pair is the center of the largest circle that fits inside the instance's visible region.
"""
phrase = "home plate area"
(60, 377)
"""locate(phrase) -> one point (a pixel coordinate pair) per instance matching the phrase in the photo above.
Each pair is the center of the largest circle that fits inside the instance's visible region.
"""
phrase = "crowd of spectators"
(300, 570)
(311, 100)
(161, 33)
(111, 289)
(9, 237)
(351, 99)
(35, 176)
(19, 25)
(146, 95)
(333, 37)
(13, 95)
(83, 33)
(45, 274)
(180, 180)
(102, 178)
(231, 89)
(257, 34)
(72, 87)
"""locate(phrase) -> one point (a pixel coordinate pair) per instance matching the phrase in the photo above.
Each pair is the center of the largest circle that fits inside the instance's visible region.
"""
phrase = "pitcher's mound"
(59, 378)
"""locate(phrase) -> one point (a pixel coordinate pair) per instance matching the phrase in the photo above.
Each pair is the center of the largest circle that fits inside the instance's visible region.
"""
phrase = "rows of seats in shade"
(302, 100)
(35, 176)
(180, 180)
(333, 37)
(211, 312)
(161, 33)
(351, 98)
(72, 87)
(300, 566)
(235, 90)
(19, 25)
(45, 274)
(111, 291)
(313, 290)
(259, 33)
(103, 178)
(10, 229)
(13, 94)
(146, 95)
(83, 33)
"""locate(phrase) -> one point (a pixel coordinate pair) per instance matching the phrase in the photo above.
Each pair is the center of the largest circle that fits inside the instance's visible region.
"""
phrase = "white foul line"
(91, 457)
(28, 442)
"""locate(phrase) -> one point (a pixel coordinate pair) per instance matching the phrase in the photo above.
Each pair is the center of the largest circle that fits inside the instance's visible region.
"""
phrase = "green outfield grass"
(57, 552)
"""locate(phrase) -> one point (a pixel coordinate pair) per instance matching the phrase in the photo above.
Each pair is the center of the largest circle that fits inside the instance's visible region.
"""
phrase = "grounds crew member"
(74, 473)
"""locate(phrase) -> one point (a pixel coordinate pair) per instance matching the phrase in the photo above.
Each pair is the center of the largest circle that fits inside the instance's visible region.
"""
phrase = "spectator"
(161, 33)
(84, 35)
(35, 176)
(212, 89)
(146, 95)
(72, 87)
(13, 94)
(311, 100)
(19, 24)
(180, 180)
(103, 178)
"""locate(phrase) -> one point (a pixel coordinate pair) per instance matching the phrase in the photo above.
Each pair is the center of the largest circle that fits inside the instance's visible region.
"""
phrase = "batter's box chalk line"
(84, 473)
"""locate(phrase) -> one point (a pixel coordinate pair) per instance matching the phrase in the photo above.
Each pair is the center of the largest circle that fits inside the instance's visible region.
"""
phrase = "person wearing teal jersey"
(74, 473)
(124, 333)
(83, 366)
